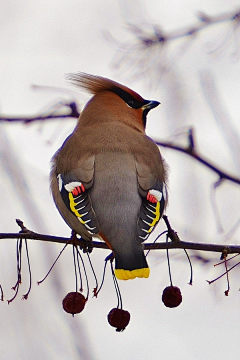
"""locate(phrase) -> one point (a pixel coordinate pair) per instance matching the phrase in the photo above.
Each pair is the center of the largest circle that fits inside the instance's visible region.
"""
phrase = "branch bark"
(231, 249)
(74, 113)
(222, 174)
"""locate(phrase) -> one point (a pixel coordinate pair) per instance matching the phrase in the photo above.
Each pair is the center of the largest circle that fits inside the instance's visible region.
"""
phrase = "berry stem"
(228, 284)
(1, 291)
(221, 262)
(85, 272)
(25, 296)
(19, 264)
(103, 278)
(39, 282)
(191, 269)
(119, 297)
(168, 260)
(80, 275)
(162, 233)
(75, 267)
(94, 274)
(219, 277)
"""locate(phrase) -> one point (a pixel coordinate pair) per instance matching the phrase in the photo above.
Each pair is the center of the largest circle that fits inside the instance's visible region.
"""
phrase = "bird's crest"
(96, 84)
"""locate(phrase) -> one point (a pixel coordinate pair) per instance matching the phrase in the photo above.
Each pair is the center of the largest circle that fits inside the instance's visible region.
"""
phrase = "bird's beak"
(150, 105)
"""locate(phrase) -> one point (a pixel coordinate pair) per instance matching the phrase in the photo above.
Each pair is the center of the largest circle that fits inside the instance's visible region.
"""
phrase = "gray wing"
(71, 195)
(154, 197)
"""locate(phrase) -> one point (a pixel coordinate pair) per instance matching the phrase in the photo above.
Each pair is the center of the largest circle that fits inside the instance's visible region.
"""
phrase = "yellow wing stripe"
(157, 217)
(122, 274)
(74, 210)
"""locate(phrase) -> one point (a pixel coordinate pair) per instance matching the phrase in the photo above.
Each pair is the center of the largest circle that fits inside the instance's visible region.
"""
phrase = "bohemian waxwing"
(108, 178)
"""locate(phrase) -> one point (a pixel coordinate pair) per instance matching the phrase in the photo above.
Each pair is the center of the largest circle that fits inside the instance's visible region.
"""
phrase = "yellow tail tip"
(122, 274)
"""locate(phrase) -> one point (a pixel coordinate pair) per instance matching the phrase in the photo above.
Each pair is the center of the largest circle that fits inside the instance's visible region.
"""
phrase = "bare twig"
(189, 151)
(74, 113)
(159, 36)
(172, 234)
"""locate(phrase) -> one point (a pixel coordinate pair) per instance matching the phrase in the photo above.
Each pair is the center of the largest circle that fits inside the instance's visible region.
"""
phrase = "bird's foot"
(86, 246)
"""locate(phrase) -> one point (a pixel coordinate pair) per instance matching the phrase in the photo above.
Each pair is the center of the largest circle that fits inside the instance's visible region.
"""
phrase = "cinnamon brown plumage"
(108, 178)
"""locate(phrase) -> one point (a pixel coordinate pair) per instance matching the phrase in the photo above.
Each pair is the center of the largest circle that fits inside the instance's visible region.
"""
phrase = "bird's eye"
(130, 103)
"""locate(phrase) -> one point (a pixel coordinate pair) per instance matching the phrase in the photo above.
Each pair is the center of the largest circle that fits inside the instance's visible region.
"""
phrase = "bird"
(108, 179)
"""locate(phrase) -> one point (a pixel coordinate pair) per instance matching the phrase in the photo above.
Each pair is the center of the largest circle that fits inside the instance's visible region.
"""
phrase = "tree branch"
(158, 36)
(74, 113)
(231, 249)
(191, 152)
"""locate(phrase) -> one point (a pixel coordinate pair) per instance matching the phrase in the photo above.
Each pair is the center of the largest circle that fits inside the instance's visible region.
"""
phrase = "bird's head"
(112, 102)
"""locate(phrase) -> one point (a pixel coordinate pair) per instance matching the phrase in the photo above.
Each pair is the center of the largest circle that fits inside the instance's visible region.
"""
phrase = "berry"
(118, 318)
(74, 303)
(172, 296)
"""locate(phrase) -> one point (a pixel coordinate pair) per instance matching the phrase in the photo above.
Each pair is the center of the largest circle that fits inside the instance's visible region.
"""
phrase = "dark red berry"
(172, 296)
(118, 318)
(74, 303)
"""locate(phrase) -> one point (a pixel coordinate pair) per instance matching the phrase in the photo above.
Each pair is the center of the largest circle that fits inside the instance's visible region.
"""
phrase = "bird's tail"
(132, 266)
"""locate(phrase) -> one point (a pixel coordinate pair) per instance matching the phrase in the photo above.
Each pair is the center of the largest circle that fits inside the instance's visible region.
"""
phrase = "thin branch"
(159, 36)
(74, 113)
(232, 249)
(187, 150)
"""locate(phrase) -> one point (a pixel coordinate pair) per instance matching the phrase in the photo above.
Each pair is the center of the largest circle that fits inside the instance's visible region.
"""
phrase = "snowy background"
(197, 82)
